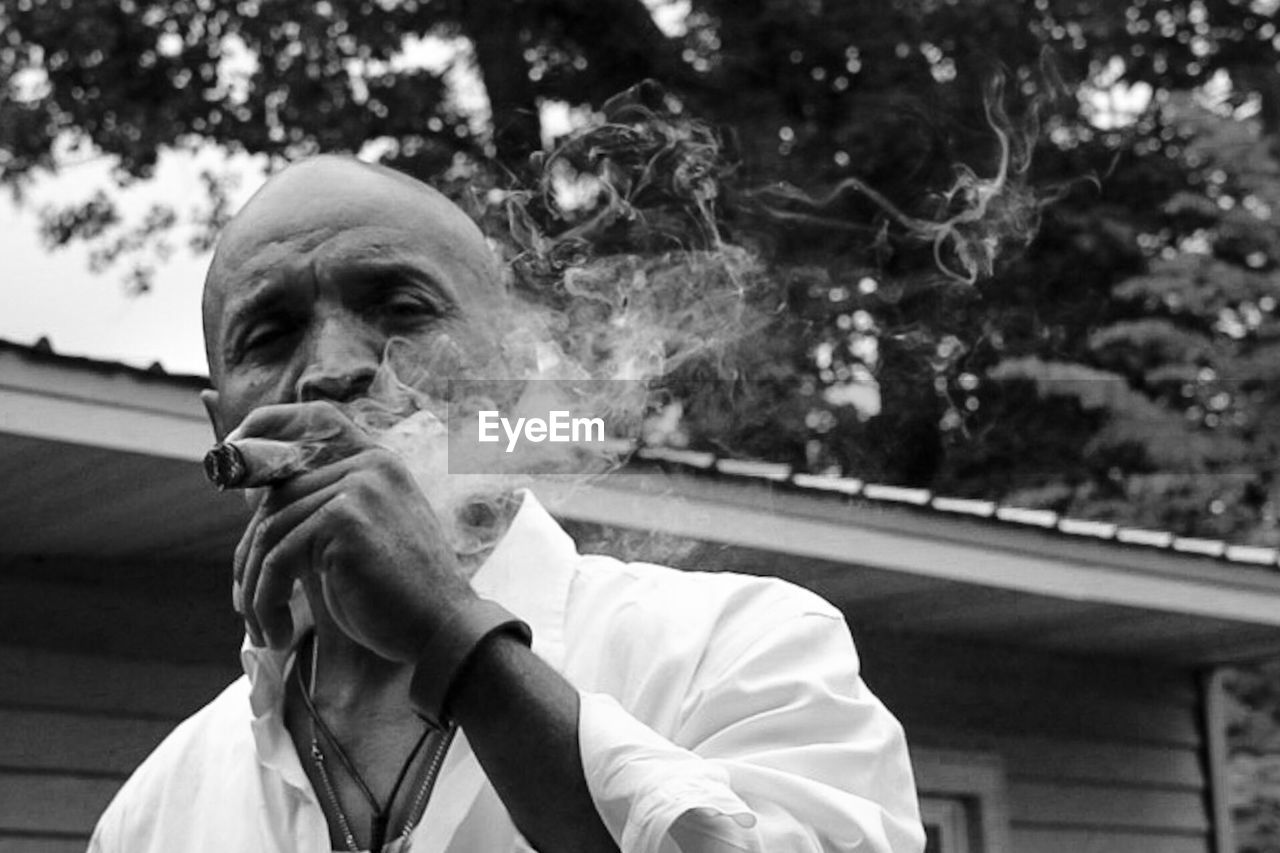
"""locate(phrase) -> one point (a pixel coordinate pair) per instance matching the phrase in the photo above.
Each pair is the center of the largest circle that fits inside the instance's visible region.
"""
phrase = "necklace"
(381, 813)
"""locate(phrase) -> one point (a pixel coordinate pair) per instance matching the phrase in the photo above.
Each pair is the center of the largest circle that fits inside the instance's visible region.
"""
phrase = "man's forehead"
(311, 201)
(330, 193)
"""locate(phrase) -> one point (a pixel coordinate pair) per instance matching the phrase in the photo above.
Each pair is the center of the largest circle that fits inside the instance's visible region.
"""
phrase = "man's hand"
(359, 523)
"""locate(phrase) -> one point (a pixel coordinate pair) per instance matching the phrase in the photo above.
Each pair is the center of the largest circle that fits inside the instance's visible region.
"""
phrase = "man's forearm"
(521, 718)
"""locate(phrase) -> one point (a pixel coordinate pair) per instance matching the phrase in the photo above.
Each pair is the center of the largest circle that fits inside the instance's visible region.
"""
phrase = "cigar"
(249, 463)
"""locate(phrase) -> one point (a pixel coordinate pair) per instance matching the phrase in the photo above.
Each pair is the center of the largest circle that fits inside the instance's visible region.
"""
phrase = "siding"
(74, 727)
(1100, 756)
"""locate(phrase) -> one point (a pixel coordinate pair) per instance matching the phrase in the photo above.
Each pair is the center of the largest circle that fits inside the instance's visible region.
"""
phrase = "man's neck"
(362, 699)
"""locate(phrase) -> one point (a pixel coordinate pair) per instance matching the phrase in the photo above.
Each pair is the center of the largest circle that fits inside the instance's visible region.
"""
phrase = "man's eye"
(263, 335)
(409, 308)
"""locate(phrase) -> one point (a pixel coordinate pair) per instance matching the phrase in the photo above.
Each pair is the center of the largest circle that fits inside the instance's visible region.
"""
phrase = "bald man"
(412, 699)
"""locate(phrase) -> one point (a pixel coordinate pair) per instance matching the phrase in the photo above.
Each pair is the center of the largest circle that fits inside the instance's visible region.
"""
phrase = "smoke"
(628, 322)
(619, 278)
(979, 217)
(616, 278)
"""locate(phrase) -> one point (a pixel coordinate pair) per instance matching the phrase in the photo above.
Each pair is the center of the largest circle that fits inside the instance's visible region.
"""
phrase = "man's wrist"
(442, 661)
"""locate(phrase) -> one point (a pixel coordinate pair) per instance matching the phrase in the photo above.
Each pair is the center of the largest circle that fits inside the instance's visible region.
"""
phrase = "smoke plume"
(620, 277)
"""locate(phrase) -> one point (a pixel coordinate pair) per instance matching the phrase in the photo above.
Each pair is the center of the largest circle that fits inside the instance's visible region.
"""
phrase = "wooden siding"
(175, 611)
(41, 844)
(1101, 756)
(74, 727)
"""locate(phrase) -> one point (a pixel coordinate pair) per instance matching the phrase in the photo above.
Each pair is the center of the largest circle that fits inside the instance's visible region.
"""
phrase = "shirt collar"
(529, 573)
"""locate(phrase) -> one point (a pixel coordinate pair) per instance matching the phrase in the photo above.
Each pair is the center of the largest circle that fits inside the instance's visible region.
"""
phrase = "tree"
(1131, 338)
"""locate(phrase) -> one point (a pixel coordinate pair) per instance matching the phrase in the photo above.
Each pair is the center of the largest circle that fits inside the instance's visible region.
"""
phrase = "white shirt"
(719, 713)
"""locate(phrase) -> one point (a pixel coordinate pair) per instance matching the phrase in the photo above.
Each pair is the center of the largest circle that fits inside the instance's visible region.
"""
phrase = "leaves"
(84, 221)
(861, 155)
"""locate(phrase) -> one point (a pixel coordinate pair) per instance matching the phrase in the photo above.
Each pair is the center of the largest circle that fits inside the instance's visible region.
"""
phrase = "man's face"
(323, 268)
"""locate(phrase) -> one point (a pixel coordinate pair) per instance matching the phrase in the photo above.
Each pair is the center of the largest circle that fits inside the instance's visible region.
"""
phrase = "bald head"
(317, 201)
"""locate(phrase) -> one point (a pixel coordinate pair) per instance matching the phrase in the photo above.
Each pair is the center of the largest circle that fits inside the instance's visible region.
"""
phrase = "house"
(1057, 679)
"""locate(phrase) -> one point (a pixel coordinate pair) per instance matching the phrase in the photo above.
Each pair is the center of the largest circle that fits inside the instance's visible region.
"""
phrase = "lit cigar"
(248, 463)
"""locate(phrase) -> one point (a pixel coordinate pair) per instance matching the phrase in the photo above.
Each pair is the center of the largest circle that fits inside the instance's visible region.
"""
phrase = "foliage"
(873, 153)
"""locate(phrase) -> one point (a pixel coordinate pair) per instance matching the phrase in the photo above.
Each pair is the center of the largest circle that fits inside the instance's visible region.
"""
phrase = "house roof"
(1000, 515)
(100, 461)
(42, 352)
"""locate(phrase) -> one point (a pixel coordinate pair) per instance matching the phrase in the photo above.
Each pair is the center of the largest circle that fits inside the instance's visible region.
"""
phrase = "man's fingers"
(241, 557)
(280, 567)
(297, 488)
(280, 442)
(313, 516)
(281, 508)
(285, 507)
(276, 526)
(319, 421)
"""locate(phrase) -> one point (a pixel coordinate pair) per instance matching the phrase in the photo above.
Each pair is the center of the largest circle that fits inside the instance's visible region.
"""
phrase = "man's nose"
(342, 366)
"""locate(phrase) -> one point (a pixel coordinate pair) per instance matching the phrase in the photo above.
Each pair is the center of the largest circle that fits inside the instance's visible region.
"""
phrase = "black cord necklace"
(381, 813)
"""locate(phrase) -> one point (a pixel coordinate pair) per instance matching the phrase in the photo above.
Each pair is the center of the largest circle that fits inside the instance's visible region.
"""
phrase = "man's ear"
(210, 399)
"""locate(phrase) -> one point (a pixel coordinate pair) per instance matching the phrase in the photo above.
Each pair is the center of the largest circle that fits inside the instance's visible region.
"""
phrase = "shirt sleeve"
(782, 747)
(105, 838)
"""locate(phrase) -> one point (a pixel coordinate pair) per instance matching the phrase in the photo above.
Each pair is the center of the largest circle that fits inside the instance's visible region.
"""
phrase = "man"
(401, 706)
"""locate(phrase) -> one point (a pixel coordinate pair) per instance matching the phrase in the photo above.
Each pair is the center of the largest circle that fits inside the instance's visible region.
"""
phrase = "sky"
(53, 294)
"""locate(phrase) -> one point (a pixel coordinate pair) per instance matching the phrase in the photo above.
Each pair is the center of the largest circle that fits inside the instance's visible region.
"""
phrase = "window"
(962, 801)
(946, 824)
